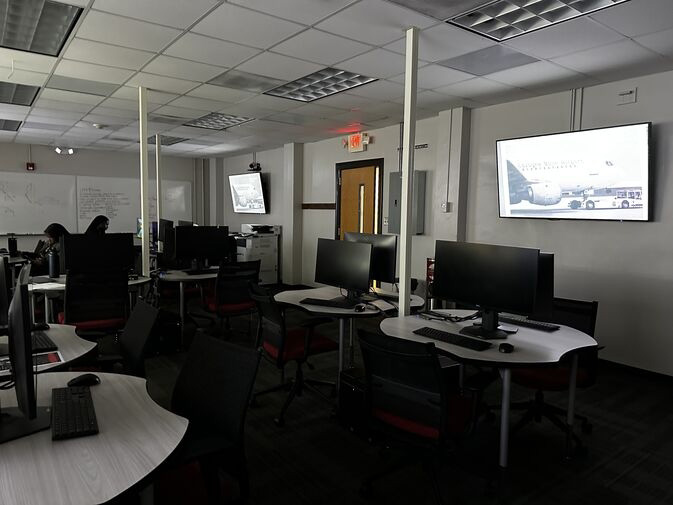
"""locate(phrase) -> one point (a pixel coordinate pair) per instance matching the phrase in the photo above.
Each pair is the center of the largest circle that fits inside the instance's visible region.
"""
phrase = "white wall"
(627, 267)
(13, 158)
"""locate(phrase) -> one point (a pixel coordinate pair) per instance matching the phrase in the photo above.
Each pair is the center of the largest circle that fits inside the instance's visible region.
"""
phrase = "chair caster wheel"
(279, 422)
(587, 428)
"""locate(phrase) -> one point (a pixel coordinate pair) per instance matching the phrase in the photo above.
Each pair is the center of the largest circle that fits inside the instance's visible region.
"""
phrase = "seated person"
(39, 259)
(98, 226)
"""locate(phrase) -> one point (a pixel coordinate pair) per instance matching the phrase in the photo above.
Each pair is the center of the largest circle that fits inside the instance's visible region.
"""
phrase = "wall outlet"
(627, 96)
(446, 207)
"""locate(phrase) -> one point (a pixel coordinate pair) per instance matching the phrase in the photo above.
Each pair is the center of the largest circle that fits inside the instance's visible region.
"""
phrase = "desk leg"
(351, 347)
(181, 301)
(572, 386)
(504, 417)
(342, 338)
(32, 306)
(47, 315)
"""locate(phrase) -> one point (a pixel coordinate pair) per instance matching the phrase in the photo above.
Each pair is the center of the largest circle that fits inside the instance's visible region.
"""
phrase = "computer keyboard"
(336, 303)
(72, 413)
(524, 321)
(42, 343)
(452, 338)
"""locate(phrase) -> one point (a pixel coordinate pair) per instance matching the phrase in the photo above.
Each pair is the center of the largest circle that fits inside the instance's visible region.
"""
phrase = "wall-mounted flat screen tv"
(599, 174)
(247, 193)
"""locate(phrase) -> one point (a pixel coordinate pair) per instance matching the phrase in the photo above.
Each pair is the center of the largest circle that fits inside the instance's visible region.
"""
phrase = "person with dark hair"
(98, 226)
(52, 242)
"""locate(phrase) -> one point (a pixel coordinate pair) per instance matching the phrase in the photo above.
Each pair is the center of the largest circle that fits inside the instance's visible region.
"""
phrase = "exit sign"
(357, 142)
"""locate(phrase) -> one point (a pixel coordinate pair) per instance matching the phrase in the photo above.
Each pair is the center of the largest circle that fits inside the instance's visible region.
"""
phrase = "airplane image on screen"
(544, 183)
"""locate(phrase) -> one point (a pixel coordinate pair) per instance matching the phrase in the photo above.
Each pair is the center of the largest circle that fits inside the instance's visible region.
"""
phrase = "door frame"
(376, 162)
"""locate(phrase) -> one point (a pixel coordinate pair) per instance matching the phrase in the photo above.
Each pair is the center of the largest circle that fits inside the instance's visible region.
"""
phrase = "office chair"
(282, 345)
(5, 293)
(232, 297)
(410, 404)
(96, 303)
(577, 314)
(129, 350)
(213, 392)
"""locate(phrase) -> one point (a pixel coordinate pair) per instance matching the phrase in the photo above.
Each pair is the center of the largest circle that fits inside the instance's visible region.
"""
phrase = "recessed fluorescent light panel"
(320, 84)
(236, 79)
(217, 121)
(8, 125)
(17, 94)
(166, 140)
(36, 26)
(504, 19)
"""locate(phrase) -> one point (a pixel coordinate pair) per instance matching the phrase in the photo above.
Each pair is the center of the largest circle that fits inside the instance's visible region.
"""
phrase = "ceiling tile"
(81, 85)
(271, 102)
(434, 76)
(441, 9)
(381, 90)
(480, 89)
(321, 47)
(565, 38)
(489, 60)
(661, 42)
(244, 26)
(162, 83)
(302, 11)
(374, 22)
(170, 110)
(377, 63)
(112, 29)
(345, 101)
(615, 61)
(638, 17)
(220, 93)
(53, 117)
(191, 102)
(131, 93)
(23, 77)
(127, 105)
(113, 56)
(177, 13)
(208, 50)
(70, 96)
(91, 72)
(26, 61)
(182, 69)
(15, 112)
(247, 110)
(278, 66)
(532, 76)
(104, 110)
(61, 106)
(317, 110)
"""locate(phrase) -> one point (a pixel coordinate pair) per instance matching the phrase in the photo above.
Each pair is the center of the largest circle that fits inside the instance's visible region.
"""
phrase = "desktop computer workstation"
(201, 246)
(87, 253)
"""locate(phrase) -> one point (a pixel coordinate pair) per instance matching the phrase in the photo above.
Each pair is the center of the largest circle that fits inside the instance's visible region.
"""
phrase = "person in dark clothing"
(53, 234)
(98, 226)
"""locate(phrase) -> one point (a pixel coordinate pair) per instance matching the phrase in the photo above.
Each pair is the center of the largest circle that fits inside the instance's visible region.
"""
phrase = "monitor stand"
(488, 329)
(13, 424)
(351, 299)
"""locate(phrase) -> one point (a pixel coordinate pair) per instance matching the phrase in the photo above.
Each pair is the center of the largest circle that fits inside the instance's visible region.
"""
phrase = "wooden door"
(358, 200)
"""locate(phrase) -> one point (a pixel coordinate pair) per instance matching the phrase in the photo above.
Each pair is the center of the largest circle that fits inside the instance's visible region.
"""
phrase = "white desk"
(531, 348)
(374, 308)
(136, 436)
(69, 344)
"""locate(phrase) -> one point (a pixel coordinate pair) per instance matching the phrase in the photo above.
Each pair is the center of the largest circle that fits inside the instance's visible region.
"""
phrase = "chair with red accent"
(577, 314)
(232, 297)
(96, 303)
(410, 405)
(282, 345)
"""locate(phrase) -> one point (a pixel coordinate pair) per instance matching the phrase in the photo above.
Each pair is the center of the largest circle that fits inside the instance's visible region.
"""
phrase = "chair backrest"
(242, 266)
(232, 286)
(405, 389)
(271, 328)
(133, 340)
(24, 275)
(577, 314)
(96, 296)
(214, 386)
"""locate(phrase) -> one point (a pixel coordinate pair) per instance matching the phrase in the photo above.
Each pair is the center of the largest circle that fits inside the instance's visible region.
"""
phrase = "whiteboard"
(29, 202)
(119, 200)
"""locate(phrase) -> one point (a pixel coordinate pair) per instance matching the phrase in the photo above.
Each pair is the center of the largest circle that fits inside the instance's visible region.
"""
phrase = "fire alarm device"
(30, 166)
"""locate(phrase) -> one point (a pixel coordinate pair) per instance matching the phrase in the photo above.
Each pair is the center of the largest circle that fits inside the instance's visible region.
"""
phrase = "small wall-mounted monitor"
(247, 193)
(599, 174)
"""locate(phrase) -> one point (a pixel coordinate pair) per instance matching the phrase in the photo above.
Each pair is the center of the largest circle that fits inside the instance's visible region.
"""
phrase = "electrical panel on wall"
(417, 203)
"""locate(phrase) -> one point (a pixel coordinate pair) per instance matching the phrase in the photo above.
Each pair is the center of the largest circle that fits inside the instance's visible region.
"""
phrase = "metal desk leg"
(504, 417)
(351, 347)
(342, 338)
(32, 306)
(181, 301)
(47, 312)
(572, 386)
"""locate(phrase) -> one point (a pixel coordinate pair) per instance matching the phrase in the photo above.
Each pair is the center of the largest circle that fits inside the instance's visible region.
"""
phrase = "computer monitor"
(344, 265)
(185, 223)
(91, 253)
(164, 225)
(384, 254)
(5, 290)
(493, 277)
(27, 418)
(201, 243)
(544, 296)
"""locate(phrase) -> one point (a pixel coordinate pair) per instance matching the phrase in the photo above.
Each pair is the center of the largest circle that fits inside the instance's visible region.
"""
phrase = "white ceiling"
(174, 47)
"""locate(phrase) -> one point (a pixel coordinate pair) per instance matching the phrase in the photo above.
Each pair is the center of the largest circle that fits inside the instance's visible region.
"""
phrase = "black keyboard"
(336, 303)
(42, 343)
(524, 321)
(452, 338)
(72, 413)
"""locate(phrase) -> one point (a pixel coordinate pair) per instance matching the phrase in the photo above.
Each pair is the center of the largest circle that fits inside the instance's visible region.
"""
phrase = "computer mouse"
(505, 347)
(40, 327)
(360, 307)
(87, 379)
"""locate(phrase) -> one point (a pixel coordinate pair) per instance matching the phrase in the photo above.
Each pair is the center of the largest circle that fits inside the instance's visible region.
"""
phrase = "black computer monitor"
(5, 290)
(495, 278)
(185, 223)
(344, 265)
(201, 243)
(384, 254)
(544, 296)
(164, 225)
(27, 418)
(91, 253)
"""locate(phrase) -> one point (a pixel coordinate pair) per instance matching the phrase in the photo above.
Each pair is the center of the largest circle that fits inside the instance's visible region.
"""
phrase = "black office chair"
(577, 314)
(282, 345)
(213, 391)
(410, 404)
(129, 350)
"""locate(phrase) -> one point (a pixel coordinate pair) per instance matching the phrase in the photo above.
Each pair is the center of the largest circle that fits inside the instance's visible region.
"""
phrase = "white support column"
(408, 139)
(144, 180)
(157, 160)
